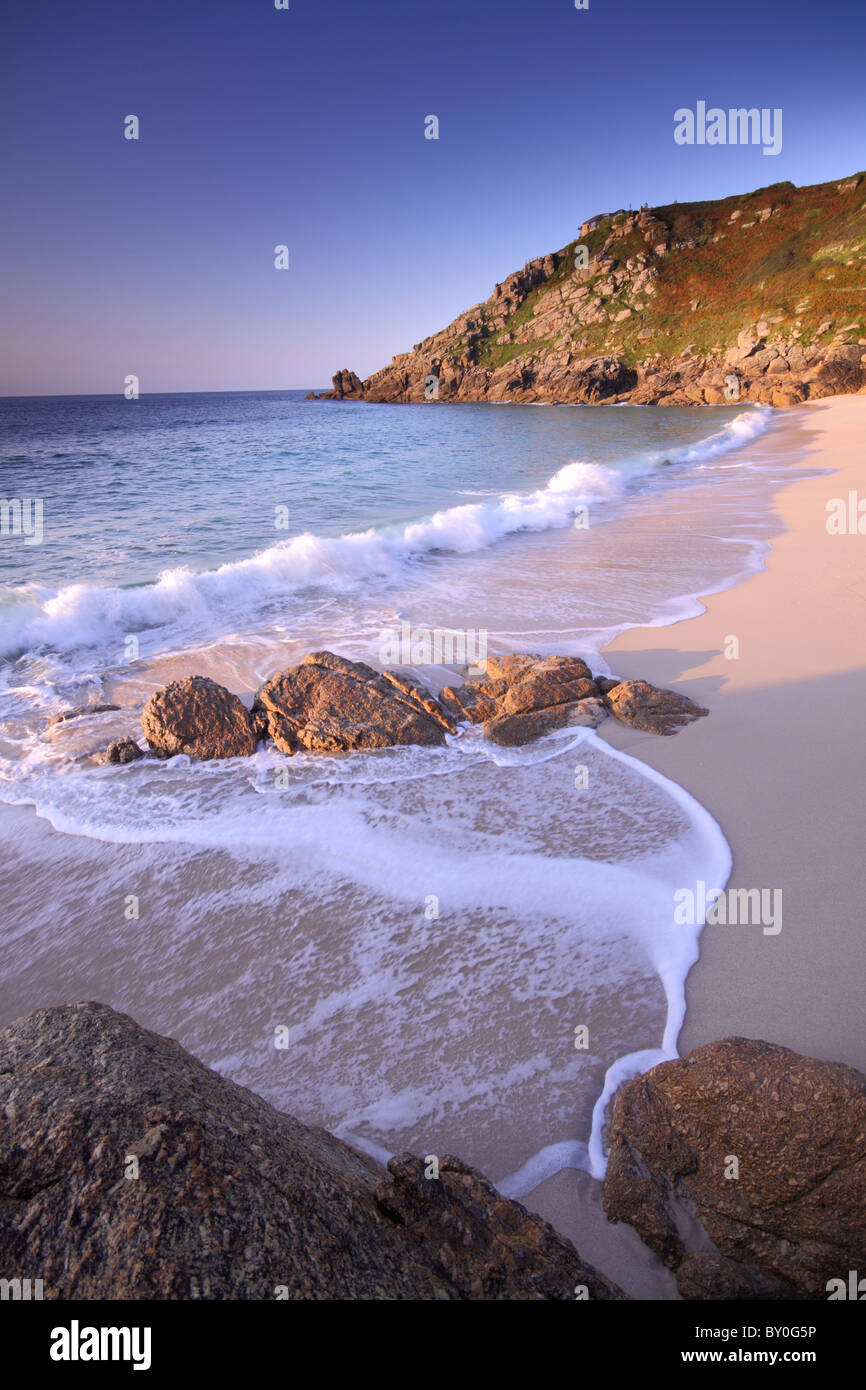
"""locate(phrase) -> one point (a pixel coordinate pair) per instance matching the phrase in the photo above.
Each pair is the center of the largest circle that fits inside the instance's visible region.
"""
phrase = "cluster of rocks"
(520, 697)
(128, 1170)
(329, 704)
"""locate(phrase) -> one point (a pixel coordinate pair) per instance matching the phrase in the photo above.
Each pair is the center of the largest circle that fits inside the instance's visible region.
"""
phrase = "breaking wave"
(83, 615)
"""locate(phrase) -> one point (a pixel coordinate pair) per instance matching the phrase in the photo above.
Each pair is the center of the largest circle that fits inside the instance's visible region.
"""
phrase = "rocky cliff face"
(760, 297)
(128, 1170)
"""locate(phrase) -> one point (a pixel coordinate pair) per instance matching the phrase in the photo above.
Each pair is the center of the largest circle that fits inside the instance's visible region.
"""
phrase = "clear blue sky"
(306, 127)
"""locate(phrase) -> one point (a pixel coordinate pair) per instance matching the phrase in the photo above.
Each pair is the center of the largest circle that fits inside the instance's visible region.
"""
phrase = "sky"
(305, 127)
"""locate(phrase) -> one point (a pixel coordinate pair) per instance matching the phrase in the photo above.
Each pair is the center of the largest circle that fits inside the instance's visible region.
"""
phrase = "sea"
(444, 950)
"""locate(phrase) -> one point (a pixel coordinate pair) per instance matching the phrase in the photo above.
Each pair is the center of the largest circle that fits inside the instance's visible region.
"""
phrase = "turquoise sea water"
(132, 488)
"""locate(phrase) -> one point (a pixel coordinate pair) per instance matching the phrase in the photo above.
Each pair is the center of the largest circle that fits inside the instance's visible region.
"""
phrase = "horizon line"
(107, 395)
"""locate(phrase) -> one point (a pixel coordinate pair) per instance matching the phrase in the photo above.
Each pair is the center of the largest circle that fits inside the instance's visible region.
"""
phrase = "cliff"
(758, 297)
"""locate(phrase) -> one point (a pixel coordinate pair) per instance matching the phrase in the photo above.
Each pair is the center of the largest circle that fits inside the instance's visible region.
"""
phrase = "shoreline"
(802, 653)
(773, 765)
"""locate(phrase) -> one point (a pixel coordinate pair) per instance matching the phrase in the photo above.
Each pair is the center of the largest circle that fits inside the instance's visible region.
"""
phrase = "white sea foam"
(737, 432)
(546, 906)
(673, 952)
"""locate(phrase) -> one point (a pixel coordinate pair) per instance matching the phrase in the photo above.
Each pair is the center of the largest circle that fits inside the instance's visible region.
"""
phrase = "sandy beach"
(777, 763)
(773, 762)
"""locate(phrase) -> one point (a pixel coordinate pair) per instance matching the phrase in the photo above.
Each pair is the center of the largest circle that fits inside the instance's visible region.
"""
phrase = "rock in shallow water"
(793, 1218)
(522, 696)
(232, 1199)
(77, 713)
(514, 729)
(198, 717)
(122, 750)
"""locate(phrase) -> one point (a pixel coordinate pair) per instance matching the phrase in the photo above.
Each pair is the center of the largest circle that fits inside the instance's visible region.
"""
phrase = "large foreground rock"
(329, 704)
(198, 717)
(793, 1219)
(233, 1200)
(479, 1241)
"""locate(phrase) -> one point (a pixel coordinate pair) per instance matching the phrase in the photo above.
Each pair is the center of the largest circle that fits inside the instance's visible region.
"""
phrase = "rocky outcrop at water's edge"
(329, 704)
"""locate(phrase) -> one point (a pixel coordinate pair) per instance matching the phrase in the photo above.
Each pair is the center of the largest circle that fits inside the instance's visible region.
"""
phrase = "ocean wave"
(735, 434)
(84, 615)
(81, 615)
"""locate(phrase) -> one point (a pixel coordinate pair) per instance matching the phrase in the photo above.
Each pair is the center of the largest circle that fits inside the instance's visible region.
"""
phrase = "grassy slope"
(802, 267)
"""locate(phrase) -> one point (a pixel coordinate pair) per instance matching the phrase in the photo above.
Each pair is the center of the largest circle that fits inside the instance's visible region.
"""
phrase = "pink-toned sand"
(780, 764)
